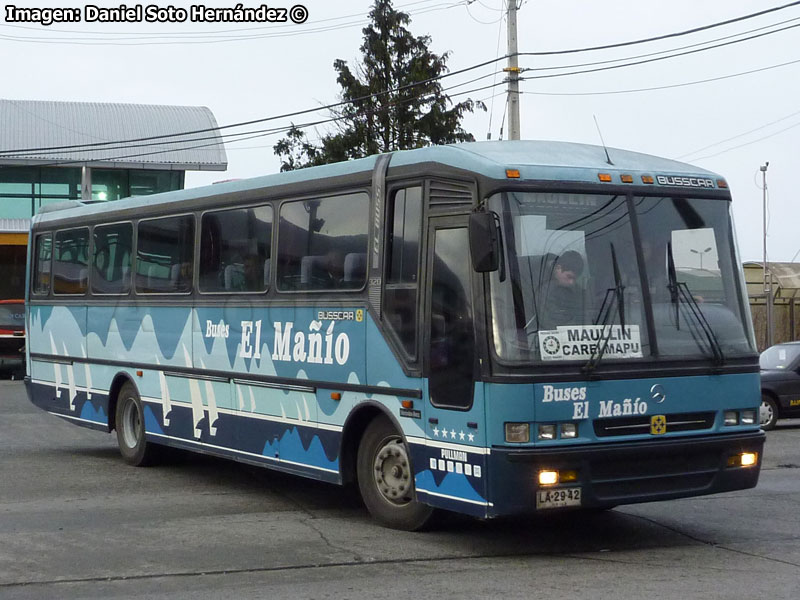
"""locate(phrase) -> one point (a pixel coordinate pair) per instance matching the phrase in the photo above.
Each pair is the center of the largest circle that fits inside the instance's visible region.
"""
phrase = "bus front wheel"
(386, 479)
(133, 446)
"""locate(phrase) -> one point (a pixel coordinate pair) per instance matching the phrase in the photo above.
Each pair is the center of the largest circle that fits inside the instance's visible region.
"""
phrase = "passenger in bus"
(253, 273)
(334, 269)
(563, 303)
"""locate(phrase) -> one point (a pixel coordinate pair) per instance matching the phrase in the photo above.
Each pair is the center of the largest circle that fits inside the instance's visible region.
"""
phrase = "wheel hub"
(393, 472)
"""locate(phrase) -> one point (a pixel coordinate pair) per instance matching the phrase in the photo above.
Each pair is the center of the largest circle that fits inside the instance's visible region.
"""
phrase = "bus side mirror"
(484, 242)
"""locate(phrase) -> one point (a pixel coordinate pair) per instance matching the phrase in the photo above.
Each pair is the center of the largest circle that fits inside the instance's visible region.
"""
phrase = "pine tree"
(393, 99)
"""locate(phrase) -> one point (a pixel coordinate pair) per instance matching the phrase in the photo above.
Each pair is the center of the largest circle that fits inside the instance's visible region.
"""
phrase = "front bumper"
(627, 472)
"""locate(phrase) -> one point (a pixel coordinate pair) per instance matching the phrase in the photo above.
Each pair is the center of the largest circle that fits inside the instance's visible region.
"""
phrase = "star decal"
(453, 433)
(436, 431)
(461, 435)
(471, 437)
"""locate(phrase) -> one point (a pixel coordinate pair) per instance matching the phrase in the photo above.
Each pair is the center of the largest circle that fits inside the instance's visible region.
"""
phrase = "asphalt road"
(76, 522)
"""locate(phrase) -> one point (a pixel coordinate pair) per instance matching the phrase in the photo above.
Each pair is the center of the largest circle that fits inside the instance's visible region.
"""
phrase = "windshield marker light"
(648, 179)
(548, 477)
(604, 177)
(626, 178)
(512, 173)
(721, 183)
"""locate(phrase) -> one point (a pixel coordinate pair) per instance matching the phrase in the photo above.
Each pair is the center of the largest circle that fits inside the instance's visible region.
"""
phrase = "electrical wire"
(665, 36)
(256, 121)
(671, 50)
(204, 38)
(737, 136)
(261, 134)
(664, 87)
(497, 52)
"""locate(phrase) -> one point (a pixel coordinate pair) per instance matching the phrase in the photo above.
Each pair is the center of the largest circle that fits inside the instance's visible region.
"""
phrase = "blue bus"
(491, 328)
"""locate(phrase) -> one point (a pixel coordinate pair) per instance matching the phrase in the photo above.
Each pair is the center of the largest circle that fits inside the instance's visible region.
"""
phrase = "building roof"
(785, 279)
(15, 225)
(27, 125)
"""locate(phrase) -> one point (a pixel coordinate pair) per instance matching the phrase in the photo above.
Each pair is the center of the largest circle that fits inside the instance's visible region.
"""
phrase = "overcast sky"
(731, 126)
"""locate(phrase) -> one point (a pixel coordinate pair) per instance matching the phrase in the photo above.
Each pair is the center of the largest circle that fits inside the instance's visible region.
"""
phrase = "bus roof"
(535, 160)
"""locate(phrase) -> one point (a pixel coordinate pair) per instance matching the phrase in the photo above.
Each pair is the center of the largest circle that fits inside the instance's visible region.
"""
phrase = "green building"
(56, 151)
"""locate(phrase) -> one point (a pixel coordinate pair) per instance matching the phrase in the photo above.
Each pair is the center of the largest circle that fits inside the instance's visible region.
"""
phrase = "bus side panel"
(146, 335)
(60, 385)
(448, 456)
(451, 468)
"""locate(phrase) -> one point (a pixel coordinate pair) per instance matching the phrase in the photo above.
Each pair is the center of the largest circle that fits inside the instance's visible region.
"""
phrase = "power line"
(635, 63)
(400, 88)
(662, 87)
(256, 121)
(665, 36)
(699, 150)
(695, 45)
(258, 134)
(115, 39)
(243, 133)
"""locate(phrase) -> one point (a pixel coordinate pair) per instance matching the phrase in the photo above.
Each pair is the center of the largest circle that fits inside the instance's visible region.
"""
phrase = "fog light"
(518, 433)
(745, 459)
(731, 417)
(748, 459)
(547, 432)
(548, 477)
(749, 417)
(567, 476)
(569, 430)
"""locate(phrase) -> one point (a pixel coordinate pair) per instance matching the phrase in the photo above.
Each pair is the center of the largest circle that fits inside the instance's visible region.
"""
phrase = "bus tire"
(768, 412)
(386, 479)
(133, 446)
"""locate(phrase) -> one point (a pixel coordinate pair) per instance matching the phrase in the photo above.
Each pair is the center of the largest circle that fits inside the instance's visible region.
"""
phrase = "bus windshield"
(578, 272)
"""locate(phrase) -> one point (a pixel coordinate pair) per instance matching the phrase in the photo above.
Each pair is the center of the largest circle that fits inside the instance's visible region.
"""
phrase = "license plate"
(558, 498)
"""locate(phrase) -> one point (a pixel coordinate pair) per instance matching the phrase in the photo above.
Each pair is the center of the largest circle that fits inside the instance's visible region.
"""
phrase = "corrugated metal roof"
(26, 125)
(785, 278)
(15, 225)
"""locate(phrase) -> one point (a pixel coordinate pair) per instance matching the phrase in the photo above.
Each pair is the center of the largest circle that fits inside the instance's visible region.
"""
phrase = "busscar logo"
(675, 181)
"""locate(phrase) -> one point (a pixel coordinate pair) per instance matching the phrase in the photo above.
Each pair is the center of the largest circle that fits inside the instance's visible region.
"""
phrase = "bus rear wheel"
(386, 479)
(133, 446)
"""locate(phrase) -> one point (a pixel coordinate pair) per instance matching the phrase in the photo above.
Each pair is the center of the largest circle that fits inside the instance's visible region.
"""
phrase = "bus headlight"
(547, 432)
(518, 433)
(749, 417)
(569, 431)
(731, 417)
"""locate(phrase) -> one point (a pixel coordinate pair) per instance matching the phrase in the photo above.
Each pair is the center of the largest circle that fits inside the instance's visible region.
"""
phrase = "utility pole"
(767, 273)
(513, 73)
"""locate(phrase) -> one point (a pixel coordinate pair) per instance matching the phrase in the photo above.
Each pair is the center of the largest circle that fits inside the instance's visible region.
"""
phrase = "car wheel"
(133, 445)
(768, 413)
(386, 479)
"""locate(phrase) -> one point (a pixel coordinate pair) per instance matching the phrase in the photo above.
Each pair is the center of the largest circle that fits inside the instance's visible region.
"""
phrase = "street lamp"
(700, 252)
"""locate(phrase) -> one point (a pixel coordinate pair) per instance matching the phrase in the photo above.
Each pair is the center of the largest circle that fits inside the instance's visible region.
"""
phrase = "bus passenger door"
(455, 410)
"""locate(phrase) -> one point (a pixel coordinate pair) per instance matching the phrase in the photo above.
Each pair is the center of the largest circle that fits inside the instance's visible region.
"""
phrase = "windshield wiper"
(679, 292)
(615, 294)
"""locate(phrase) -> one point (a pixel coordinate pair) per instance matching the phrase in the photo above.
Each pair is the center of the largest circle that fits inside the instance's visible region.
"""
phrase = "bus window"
(41, 273)
(235, 250)
(322, 243)
(402, 254)
(452, 345)
(164, 255)
(71, 261)
(112, 257)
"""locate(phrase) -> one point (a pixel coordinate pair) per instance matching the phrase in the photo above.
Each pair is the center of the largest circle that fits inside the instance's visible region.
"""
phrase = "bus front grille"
(641, 424)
